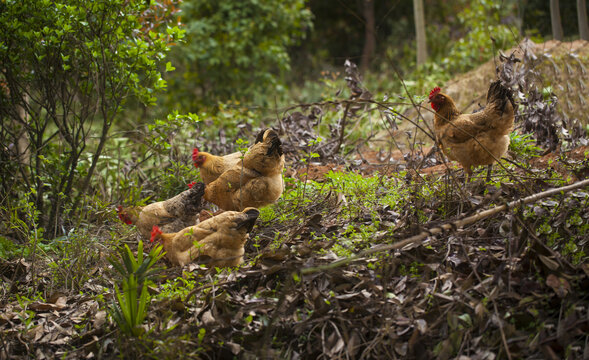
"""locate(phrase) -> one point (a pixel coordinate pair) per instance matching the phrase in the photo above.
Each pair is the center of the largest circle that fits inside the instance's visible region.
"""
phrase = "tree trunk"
(582, 17)
(520, 17)
(420, 31)
(555, 20)
(369, 38)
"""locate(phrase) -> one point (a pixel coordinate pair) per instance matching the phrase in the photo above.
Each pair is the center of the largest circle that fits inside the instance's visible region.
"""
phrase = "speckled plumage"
(170, 215)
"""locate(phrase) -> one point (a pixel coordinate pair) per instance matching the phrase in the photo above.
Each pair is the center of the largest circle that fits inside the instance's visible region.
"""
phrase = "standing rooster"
(220, 238)
(255, 184)
(474, 139)
(171, 215)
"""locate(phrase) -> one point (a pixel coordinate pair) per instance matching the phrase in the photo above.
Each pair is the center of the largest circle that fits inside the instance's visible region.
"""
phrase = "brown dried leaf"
(401, 348)
(41, 306)
(208, 319)
(99, 319)
(35, 333)
(235, 348)
(548, 262)
(421, 326)
(560, 285)
(479, 310)
(354, 344)
(585, 268)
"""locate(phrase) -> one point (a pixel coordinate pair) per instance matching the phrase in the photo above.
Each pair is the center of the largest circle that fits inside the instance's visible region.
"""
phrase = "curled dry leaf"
(560, 285)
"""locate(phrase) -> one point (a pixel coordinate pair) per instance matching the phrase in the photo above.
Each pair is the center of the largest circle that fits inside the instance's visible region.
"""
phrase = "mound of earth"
(563, 66)
(560, 65)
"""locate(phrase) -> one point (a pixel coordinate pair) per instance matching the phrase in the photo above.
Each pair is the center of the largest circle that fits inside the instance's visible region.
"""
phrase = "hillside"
(365, 255)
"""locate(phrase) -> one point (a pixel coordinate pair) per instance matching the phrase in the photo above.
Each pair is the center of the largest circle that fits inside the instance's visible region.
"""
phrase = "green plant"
(68, 69)
(8, 249)
(178, 287)
(524, 145)
(27, 316)
(235, 49)
(484, 35)
(132, 301)
(161, 132)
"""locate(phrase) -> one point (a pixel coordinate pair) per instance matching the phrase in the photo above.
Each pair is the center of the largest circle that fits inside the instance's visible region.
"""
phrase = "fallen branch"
(448, 226)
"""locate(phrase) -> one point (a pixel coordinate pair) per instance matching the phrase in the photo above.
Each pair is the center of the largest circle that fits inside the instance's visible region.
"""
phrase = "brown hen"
(220, 239)
(212, 166)
(170, 215)
(474, 139)
(255, 184)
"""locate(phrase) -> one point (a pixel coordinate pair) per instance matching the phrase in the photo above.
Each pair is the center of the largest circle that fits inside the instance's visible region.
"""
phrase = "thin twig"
(452, 226)
(492, 298)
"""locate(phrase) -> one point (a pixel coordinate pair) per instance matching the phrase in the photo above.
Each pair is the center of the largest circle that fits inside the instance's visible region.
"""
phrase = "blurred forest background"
(102, 100)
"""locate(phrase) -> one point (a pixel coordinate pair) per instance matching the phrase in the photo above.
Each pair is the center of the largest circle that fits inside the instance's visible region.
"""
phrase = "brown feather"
(213, 166)
(220, 238)
(170, 215)
(255, 184)
(479, 138)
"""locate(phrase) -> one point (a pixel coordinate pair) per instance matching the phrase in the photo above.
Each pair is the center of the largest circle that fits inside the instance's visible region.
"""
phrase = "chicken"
(255, 184)
(170, 215)
(212, 166)
(474, 139)
(220, 239)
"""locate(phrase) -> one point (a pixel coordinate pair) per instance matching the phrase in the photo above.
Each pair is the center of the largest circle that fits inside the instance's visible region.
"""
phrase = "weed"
(131, 307)
(524, 145)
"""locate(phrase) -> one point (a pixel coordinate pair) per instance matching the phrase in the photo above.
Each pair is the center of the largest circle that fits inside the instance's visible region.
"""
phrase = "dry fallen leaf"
(560, 285)
(207, 318)
(41, 306)
(99, 319)
(548, 262)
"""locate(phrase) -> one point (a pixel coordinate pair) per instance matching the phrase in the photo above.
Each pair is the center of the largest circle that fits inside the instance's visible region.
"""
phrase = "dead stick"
(448, 226)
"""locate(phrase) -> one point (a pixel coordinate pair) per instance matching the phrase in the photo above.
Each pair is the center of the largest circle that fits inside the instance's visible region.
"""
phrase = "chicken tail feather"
(499, 95)
(260, 136)
(195, 194)
(250, 220)
(275, 143)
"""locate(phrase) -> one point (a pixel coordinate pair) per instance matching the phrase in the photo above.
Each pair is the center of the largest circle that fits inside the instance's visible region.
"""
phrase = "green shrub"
(68, 68)
(235, 49)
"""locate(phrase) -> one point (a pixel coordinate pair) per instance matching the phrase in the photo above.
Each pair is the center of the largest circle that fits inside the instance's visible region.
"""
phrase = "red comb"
(194, 154)
(191, 184)
(155, 231)
(434, 92)
(123, 216)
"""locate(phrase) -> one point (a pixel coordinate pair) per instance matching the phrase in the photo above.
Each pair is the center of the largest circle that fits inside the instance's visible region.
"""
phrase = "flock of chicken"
(237, 183)
(240, 183)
